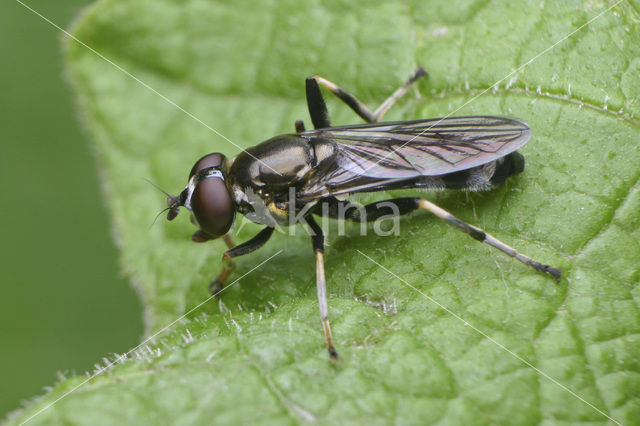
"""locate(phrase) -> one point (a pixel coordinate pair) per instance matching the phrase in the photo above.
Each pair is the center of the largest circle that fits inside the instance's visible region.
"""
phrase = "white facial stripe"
(191, 186)
(214, 173)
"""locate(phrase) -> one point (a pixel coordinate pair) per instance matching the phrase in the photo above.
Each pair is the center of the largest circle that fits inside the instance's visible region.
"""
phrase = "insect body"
(290, 178)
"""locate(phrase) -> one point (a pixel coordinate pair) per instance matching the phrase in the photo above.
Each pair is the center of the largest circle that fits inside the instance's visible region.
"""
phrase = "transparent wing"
(373, 155)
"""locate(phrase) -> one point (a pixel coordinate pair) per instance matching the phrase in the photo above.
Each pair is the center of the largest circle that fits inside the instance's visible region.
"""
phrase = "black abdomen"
(486, 176)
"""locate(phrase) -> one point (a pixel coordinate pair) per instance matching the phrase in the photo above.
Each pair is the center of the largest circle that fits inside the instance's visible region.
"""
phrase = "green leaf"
(259, 355)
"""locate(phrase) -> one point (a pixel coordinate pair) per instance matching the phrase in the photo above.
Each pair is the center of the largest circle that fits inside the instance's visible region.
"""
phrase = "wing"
(371, 156)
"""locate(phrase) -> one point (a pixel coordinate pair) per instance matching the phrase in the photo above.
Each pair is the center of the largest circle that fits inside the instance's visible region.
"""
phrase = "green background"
(63, 305)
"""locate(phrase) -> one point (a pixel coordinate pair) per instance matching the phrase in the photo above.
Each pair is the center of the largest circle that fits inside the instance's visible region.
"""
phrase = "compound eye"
(210, 160)
(212, 206)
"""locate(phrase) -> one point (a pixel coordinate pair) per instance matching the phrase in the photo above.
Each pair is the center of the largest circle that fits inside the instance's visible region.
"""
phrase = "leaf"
(259, 354)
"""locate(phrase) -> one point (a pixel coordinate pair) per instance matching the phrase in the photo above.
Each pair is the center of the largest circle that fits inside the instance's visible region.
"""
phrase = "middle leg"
(318, 109)
(317, 239)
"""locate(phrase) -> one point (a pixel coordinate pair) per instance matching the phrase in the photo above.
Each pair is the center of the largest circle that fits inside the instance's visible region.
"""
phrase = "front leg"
(317, 240)
(201, 237)
(253, 244)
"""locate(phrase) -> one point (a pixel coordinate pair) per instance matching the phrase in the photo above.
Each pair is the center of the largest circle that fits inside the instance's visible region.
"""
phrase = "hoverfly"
(296, 176)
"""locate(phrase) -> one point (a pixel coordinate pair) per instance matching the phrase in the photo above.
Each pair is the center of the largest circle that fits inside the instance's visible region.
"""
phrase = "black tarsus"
(420, 72)
(554, 272)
